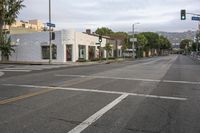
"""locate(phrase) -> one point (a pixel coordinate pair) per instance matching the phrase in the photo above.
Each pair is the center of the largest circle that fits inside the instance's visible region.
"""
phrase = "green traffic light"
(183, 14)
(183, 17)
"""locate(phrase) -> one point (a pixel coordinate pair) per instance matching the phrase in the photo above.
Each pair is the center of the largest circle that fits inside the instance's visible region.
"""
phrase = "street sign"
(196, 18)
(51, 25)
(131, 39)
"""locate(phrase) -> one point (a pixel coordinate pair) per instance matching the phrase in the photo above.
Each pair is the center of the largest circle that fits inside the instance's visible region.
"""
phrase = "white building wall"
(28, 46)
(68, 38)
(79, 38)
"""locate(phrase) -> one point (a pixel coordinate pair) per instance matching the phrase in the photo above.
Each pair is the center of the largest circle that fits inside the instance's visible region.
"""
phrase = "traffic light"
(100, 38)
(183, 14)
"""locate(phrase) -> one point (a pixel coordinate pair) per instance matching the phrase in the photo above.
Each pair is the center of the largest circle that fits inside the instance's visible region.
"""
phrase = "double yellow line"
(14, 99)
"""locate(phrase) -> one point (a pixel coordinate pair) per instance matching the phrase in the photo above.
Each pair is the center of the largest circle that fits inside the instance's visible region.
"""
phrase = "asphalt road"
(156, 95)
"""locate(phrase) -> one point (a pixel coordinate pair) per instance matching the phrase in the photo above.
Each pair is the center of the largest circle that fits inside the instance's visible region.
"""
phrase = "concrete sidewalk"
(64, 64)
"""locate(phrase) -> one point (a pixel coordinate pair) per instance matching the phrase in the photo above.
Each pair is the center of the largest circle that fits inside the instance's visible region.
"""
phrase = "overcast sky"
(119, 15)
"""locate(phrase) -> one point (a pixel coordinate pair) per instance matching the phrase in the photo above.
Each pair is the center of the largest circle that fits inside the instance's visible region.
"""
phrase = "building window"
(82, 52)
(45, 52)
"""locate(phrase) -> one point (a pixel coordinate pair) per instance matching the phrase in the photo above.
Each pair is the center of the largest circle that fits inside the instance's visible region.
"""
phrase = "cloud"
(154, 15)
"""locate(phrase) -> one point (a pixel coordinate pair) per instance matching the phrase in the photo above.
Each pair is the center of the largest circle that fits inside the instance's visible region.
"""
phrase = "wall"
(70, 37)
(28, 47)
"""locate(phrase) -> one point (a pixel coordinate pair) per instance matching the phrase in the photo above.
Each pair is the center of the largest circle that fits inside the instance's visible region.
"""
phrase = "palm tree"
(9, 10)
(6, 48)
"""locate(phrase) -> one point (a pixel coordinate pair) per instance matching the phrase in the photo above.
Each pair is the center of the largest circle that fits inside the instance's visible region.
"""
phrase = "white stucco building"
(68, 46)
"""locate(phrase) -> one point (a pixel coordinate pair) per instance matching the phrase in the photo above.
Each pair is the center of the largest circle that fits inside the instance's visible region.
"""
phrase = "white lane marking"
(145, 63)
(105, 77)
(4, 70)
(134, 79)
(181, 82)
(99, 91)
(97, 115)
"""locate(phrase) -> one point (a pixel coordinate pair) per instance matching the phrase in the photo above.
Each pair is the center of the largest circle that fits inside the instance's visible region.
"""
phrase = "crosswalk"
(27, 68)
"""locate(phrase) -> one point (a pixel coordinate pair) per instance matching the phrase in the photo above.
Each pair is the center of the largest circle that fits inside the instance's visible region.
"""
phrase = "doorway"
(68, 52)
(91, 51)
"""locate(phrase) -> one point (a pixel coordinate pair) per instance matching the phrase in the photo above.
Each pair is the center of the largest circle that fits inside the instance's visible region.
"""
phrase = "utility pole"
(50, 46)
(197, 40)
(133, 45)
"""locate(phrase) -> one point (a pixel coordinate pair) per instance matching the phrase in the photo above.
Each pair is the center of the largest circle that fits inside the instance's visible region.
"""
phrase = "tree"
(9, 10)
(197, 42)
(152, 43)
(152, 39)
(140, 44)
(108, 48)
(164, 44)
(185, 44)
(104, 31)
(6, 48)
(141, 40)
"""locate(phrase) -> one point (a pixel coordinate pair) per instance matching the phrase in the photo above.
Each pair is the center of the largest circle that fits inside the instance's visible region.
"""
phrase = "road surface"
(155, 95)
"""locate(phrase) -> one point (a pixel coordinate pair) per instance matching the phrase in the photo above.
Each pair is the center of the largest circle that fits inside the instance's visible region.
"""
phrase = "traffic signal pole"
(100, 40)
(196, 17)
(50, 45)
(193, 14)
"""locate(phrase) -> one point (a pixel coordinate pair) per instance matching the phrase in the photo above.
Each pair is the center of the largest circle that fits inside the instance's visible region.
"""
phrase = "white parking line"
(133, 79)
(97, 115)
(99, 91)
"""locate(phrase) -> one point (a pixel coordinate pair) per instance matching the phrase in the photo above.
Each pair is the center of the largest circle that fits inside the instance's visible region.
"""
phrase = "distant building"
(25, 27)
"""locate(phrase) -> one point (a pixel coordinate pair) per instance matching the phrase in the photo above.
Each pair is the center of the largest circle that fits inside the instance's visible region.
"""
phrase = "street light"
(133, 45)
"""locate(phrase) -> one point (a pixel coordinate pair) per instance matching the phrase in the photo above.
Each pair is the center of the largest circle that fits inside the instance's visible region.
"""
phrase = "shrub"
(81, 60)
